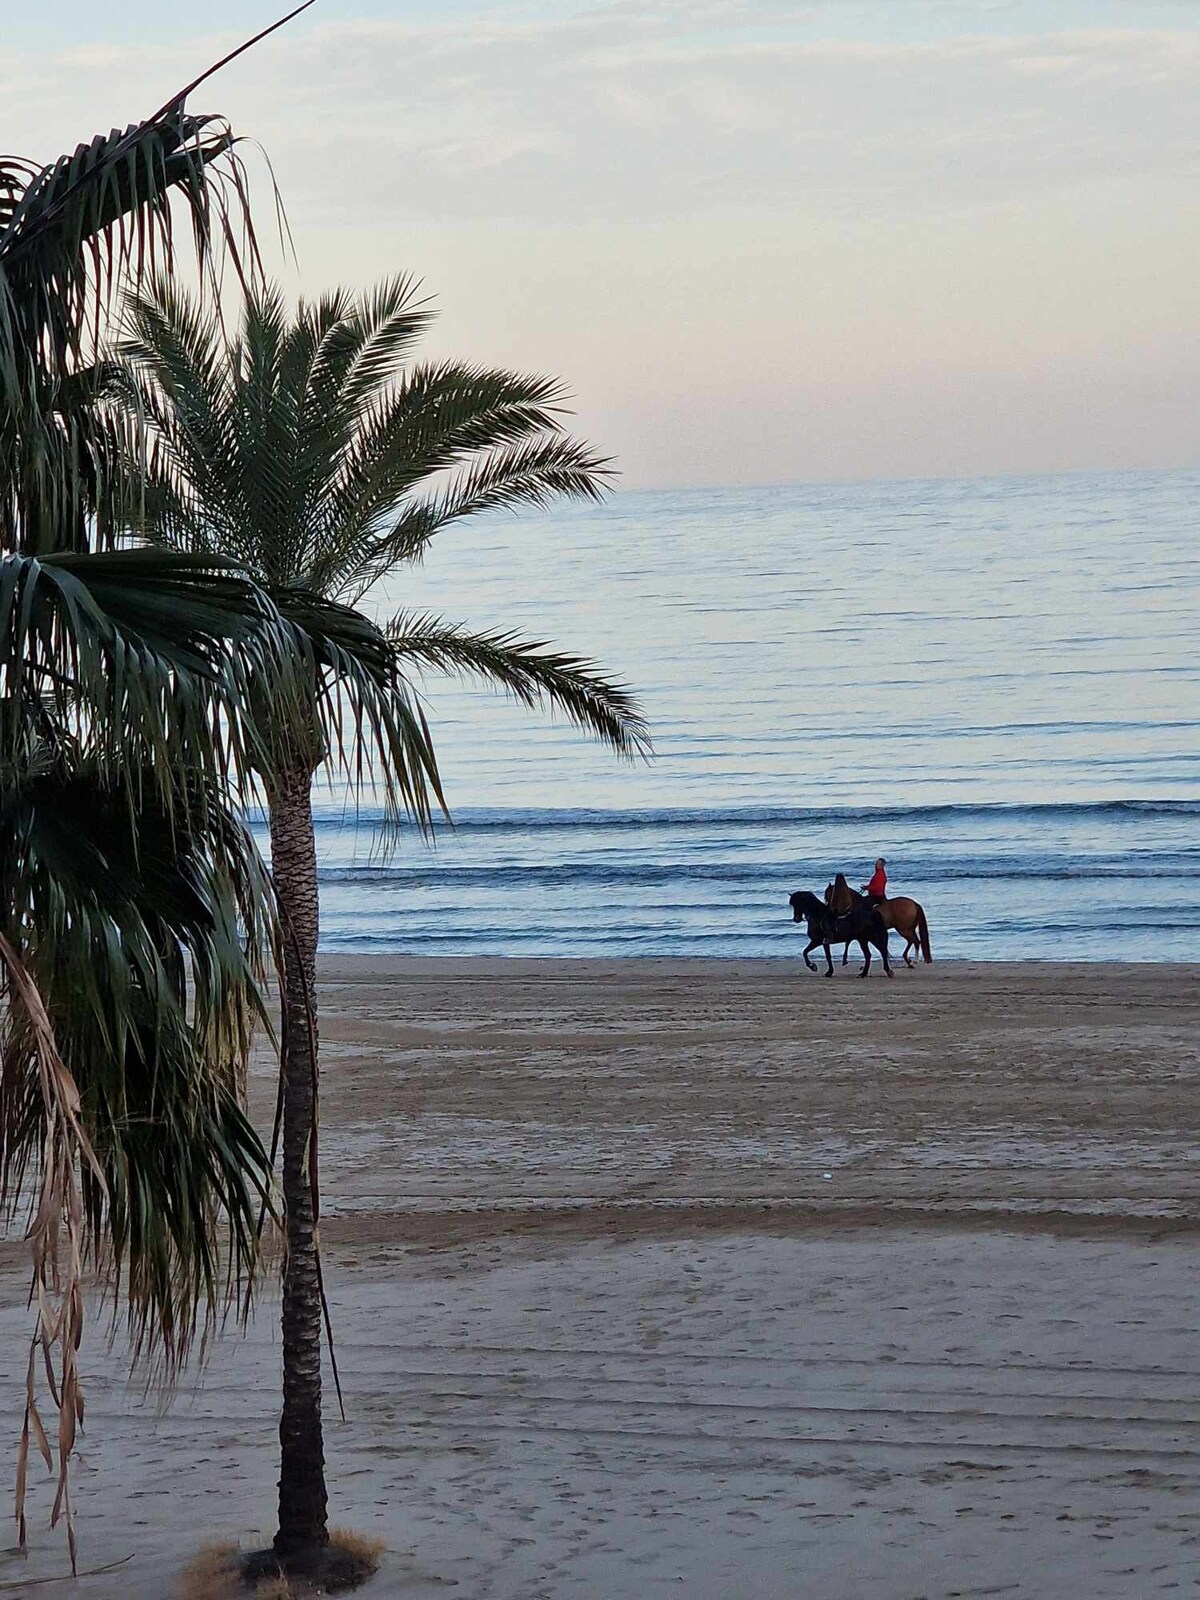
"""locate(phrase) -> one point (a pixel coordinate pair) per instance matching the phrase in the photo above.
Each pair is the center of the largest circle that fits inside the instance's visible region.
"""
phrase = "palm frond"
(362, 342)
(56, 1227)
(531, 672)
(71, 234)
(371, 725)
(132, 946)
(308, 454)
(530, 474)
(152, 651)
(146, 934)
(433, 419)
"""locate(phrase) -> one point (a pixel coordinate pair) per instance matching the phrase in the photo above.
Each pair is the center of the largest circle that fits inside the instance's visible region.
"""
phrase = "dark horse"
(862, 924)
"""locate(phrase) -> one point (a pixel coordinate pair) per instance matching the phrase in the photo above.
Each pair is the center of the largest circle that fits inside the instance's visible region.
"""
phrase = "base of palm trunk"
(222, 1572)
(342, 1564)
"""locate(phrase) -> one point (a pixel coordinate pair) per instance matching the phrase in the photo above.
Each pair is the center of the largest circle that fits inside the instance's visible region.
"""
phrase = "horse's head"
(804, 904)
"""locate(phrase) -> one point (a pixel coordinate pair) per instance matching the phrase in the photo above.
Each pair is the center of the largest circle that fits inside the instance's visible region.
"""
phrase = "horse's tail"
(923, 934)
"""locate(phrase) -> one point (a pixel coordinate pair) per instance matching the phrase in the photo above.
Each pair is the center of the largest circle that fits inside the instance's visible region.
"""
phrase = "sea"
(993, 683)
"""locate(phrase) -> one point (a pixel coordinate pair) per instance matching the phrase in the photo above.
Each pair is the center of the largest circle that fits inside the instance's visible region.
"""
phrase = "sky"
(760, 241)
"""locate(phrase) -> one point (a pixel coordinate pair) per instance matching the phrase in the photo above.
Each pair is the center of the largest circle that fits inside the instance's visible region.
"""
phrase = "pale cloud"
(651, 110)
(756, 249)
(582, 119)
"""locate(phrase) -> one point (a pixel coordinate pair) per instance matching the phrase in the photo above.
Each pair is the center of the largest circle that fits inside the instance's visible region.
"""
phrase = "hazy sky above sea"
(761, 241)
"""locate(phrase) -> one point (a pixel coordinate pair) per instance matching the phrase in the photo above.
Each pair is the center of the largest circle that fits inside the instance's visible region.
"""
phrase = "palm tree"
(134, 912)
(311, 452)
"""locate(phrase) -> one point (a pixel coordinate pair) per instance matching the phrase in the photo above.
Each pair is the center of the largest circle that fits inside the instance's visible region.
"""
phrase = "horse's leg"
(811, 945)
(866, 950)
(910, 943)
(846, 951)
(828, 961)
(883, 951)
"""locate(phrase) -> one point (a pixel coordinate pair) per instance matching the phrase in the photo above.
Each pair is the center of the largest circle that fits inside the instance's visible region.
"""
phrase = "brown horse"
(904, 915)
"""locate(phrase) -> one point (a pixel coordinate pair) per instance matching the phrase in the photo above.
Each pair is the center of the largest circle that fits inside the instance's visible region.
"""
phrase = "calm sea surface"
(994, 683)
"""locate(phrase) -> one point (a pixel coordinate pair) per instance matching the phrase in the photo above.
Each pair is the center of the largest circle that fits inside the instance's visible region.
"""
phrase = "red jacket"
(878, 883)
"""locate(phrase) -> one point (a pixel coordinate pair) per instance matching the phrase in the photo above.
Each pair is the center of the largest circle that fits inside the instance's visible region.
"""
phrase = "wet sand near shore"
(717, 1278)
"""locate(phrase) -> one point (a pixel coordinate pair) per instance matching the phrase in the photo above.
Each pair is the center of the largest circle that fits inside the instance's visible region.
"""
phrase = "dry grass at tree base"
(216, 1574)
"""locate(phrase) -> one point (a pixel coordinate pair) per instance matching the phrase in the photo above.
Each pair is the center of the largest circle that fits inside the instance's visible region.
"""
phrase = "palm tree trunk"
(302, 1498)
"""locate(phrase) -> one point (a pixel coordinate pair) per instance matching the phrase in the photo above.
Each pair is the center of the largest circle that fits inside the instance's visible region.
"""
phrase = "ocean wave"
(1040, 941)
(632, 874)
(524, 820)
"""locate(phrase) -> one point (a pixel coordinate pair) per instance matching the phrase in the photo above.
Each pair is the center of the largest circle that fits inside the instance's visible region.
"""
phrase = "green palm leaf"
(531, 672)
(73, 233)
(145, 933)
(154, 652)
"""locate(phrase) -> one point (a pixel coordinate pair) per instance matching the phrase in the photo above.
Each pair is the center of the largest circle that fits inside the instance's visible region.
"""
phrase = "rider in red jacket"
(876, 890)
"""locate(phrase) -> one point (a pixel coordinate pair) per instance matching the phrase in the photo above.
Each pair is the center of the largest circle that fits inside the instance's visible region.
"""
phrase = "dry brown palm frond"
(275, 1589)
(56, 1244)
(212, 1575)
(361, 1546)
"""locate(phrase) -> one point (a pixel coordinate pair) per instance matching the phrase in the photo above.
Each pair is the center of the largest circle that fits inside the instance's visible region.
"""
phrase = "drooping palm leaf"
(72, 233)
(370, 724)
(530, 671)
(132, 941)
(56, 1226)
(153, 650)
(145, 933)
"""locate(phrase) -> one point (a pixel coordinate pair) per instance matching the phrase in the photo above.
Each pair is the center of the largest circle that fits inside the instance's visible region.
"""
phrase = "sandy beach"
(714, 1279)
